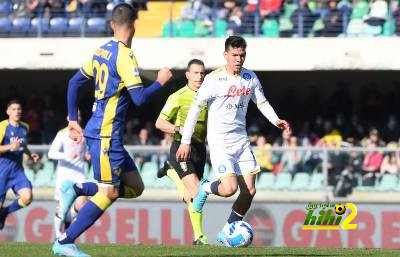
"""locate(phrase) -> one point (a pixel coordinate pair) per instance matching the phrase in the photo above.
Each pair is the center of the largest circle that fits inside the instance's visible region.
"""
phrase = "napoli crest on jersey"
(222, 168)
(246, 76)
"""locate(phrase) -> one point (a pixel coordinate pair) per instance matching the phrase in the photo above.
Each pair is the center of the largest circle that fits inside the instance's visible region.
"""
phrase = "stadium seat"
(360, 9)
(283, 181)
(76, 25)
(372, 30)
(200, 30)
(220, 27)
(388, 183)
(265, 181)
(5, 25)
(186, 29)
(58, 25)
(96, 25)
(167, 29)
(389, 28)
(355, 27)
(316, 182)
(44, 177)
(300, 182)
(5, 8)
(317, 27)
(39, 23)
(21, 25)
(148, 173)
(288, 10)
(270, 28)
(30, 174)
(285, 24)
(207, 170)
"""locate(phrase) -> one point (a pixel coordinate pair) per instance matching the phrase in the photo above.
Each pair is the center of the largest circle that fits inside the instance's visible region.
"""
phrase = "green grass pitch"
(111, 250)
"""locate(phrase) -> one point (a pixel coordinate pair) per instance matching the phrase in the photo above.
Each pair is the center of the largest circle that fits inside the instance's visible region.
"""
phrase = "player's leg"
(108, 191)
(21, 187)
(132, 185)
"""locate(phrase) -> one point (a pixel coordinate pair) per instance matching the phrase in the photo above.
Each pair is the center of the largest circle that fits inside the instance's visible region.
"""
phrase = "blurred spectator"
(270, 9)
(263, 155)
(378, 13)
(373, 138)
(235, 22)
(371, 165)
(302, 20)
(292, 160)
(391, 161)
(54, 8)
(333, 21)
(196, 10)
(143, 140)
(129, 138)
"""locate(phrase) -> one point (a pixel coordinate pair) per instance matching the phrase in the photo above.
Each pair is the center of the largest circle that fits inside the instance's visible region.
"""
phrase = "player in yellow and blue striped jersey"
(13, 145)
(115, 72)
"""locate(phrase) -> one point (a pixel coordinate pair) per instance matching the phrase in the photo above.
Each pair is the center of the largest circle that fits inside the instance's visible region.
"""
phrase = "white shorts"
(64, 174)
(234, 160)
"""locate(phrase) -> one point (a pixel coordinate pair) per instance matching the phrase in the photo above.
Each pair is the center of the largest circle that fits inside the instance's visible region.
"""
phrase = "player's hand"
(35, 157)
(15, 144)
(75, 131)
(164, 75)
(283, 124)
(183, 153)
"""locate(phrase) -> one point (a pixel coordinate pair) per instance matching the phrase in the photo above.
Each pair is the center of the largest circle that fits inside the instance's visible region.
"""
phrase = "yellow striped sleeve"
(170, 108)
(3, 126)
(87, 69)
(127, 68)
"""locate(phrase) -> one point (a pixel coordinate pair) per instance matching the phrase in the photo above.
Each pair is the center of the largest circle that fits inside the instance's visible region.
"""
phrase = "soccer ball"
(240, 234)
(340, 209)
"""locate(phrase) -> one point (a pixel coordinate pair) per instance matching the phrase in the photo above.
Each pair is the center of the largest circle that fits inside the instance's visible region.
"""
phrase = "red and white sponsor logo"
(237, 91)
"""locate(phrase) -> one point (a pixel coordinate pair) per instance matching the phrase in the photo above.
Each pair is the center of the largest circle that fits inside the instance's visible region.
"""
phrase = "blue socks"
(87, 189)
(214, 187)
(86, 217)
(14, 206)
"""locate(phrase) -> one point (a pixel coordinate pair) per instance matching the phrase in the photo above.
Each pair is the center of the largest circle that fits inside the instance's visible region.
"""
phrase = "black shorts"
(195, 164)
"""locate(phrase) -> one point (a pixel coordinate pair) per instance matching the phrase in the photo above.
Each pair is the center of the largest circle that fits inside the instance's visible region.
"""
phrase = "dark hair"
(14, 101)
(235, 42)
(124, 14)
(194, 61)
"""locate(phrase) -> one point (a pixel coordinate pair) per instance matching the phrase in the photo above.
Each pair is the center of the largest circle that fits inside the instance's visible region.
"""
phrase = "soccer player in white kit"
(71, 158)
(227, 91)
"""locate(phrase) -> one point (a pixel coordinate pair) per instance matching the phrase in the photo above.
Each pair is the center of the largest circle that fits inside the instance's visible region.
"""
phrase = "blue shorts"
(109, 160)
(13, 178)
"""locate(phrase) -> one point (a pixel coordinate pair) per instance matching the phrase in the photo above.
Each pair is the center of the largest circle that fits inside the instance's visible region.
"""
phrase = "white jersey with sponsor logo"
(228, 97)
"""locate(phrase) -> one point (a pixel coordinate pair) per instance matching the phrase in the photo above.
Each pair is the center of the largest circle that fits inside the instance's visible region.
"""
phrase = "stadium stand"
(213, 19)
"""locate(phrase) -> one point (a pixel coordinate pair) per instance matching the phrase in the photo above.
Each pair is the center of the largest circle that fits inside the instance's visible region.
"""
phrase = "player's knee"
(229, 189)
(26, 199)
(139, 189)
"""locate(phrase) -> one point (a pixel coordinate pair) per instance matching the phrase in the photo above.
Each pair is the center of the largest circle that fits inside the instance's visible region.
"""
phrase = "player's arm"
(74, 85)
(34, 156)
(129, 72)
(55, 152)
(266, 109)
(201, 99)
(4, 148)
(168, 112)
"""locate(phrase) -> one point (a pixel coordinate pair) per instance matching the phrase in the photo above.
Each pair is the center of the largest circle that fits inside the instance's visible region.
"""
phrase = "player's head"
(195, 73)
(123, 18)
(235, 53)
(14, 110)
